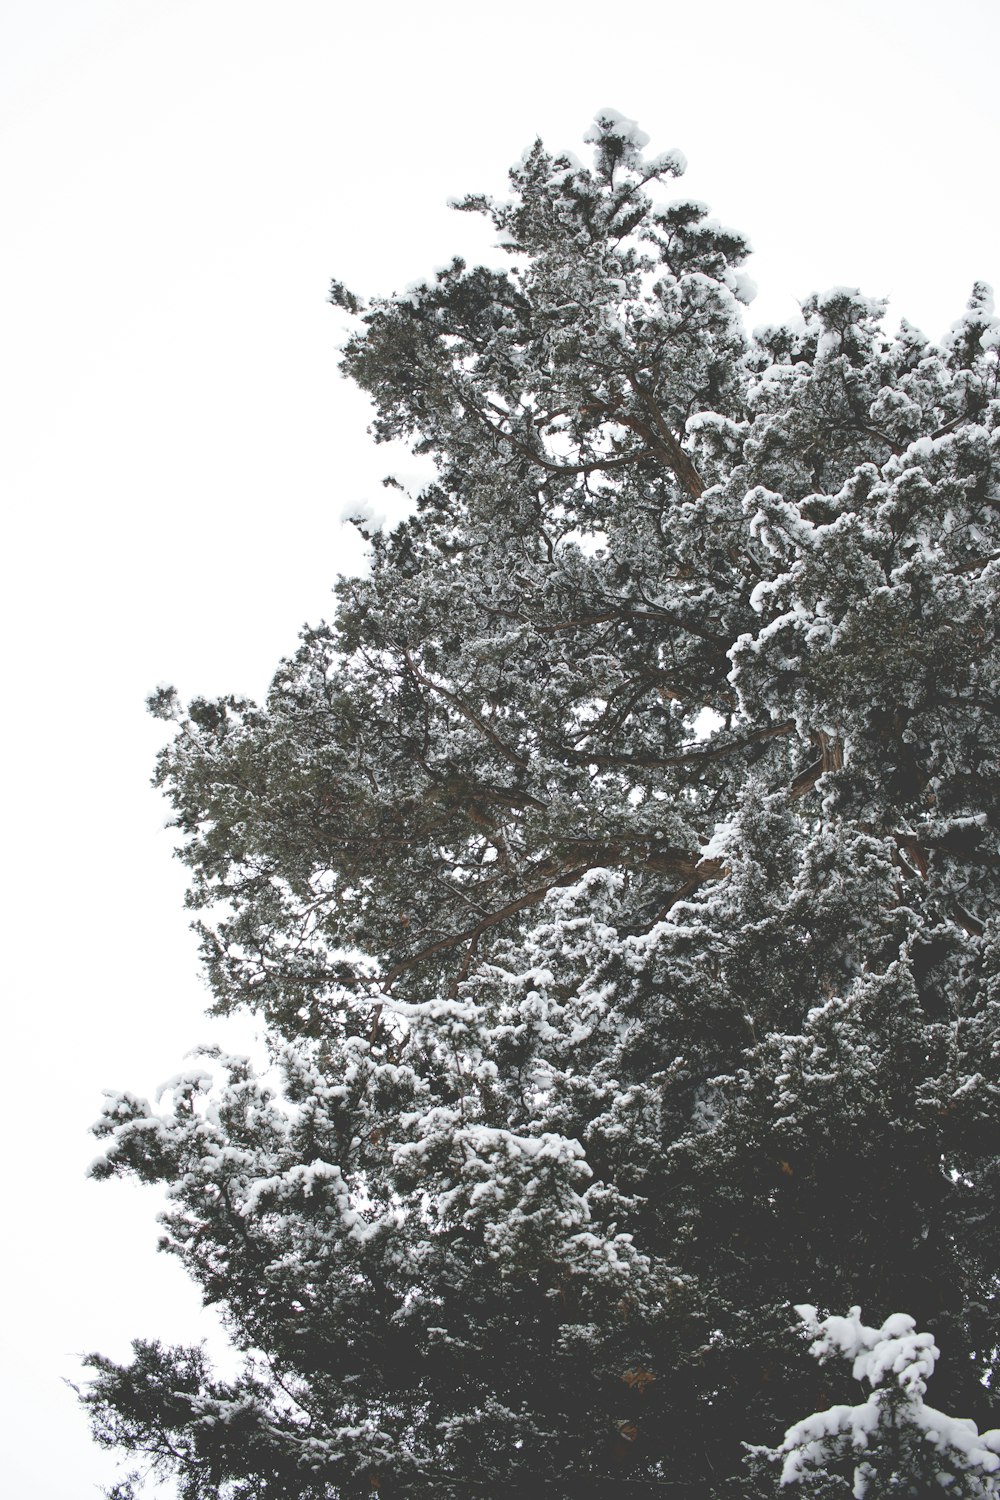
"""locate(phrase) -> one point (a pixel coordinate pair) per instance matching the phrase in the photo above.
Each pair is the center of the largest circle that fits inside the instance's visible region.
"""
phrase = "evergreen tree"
(892, 1444)
(617, 876)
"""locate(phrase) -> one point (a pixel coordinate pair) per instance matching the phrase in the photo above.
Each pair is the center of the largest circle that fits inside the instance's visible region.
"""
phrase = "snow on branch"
(892, 1442)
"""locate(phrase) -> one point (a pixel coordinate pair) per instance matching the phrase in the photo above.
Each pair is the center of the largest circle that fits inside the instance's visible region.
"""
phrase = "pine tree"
(893, 1443)
(617, 877)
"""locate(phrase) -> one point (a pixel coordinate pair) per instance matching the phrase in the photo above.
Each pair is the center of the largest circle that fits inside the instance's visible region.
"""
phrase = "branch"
(472, 934)
(600, 465)
(668, 447)
(686, 758)
(694, 871)
(977, 562)
(831, 758)
(467, 713)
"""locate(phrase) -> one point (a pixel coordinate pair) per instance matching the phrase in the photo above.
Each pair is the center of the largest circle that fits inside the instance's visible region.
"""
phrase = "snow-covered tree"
(617, 876)
(893, 1443)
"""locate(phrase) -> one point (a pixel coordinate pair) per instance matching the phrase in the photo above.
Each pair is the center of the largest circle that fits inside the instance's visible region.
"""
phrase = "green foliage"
(617, 875)
(892, 1444)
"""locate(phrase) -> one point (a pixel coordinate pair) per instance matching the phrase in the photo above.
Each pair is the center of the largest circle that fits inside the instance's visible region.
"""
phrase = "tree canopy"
(617, 878)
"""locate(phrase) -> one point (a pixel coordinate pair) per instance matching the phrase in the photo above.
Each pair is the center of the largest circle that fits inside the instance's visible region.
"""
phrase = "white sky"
(180, 179)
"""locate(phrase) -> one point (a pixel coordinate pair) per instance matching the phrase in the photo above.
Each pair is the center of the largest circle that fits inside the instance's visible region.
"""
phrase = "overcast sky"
(179, 181)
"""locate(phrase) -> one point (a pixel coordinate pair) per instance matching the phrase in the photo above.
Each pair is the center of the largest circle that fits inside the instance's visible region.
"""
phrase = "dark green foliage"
(617, 876)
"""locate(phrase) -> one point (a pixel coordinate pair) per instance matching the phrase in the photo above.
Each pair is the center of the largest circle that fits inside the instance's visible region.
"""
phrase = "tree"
(893, 1443)
(617, 876)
